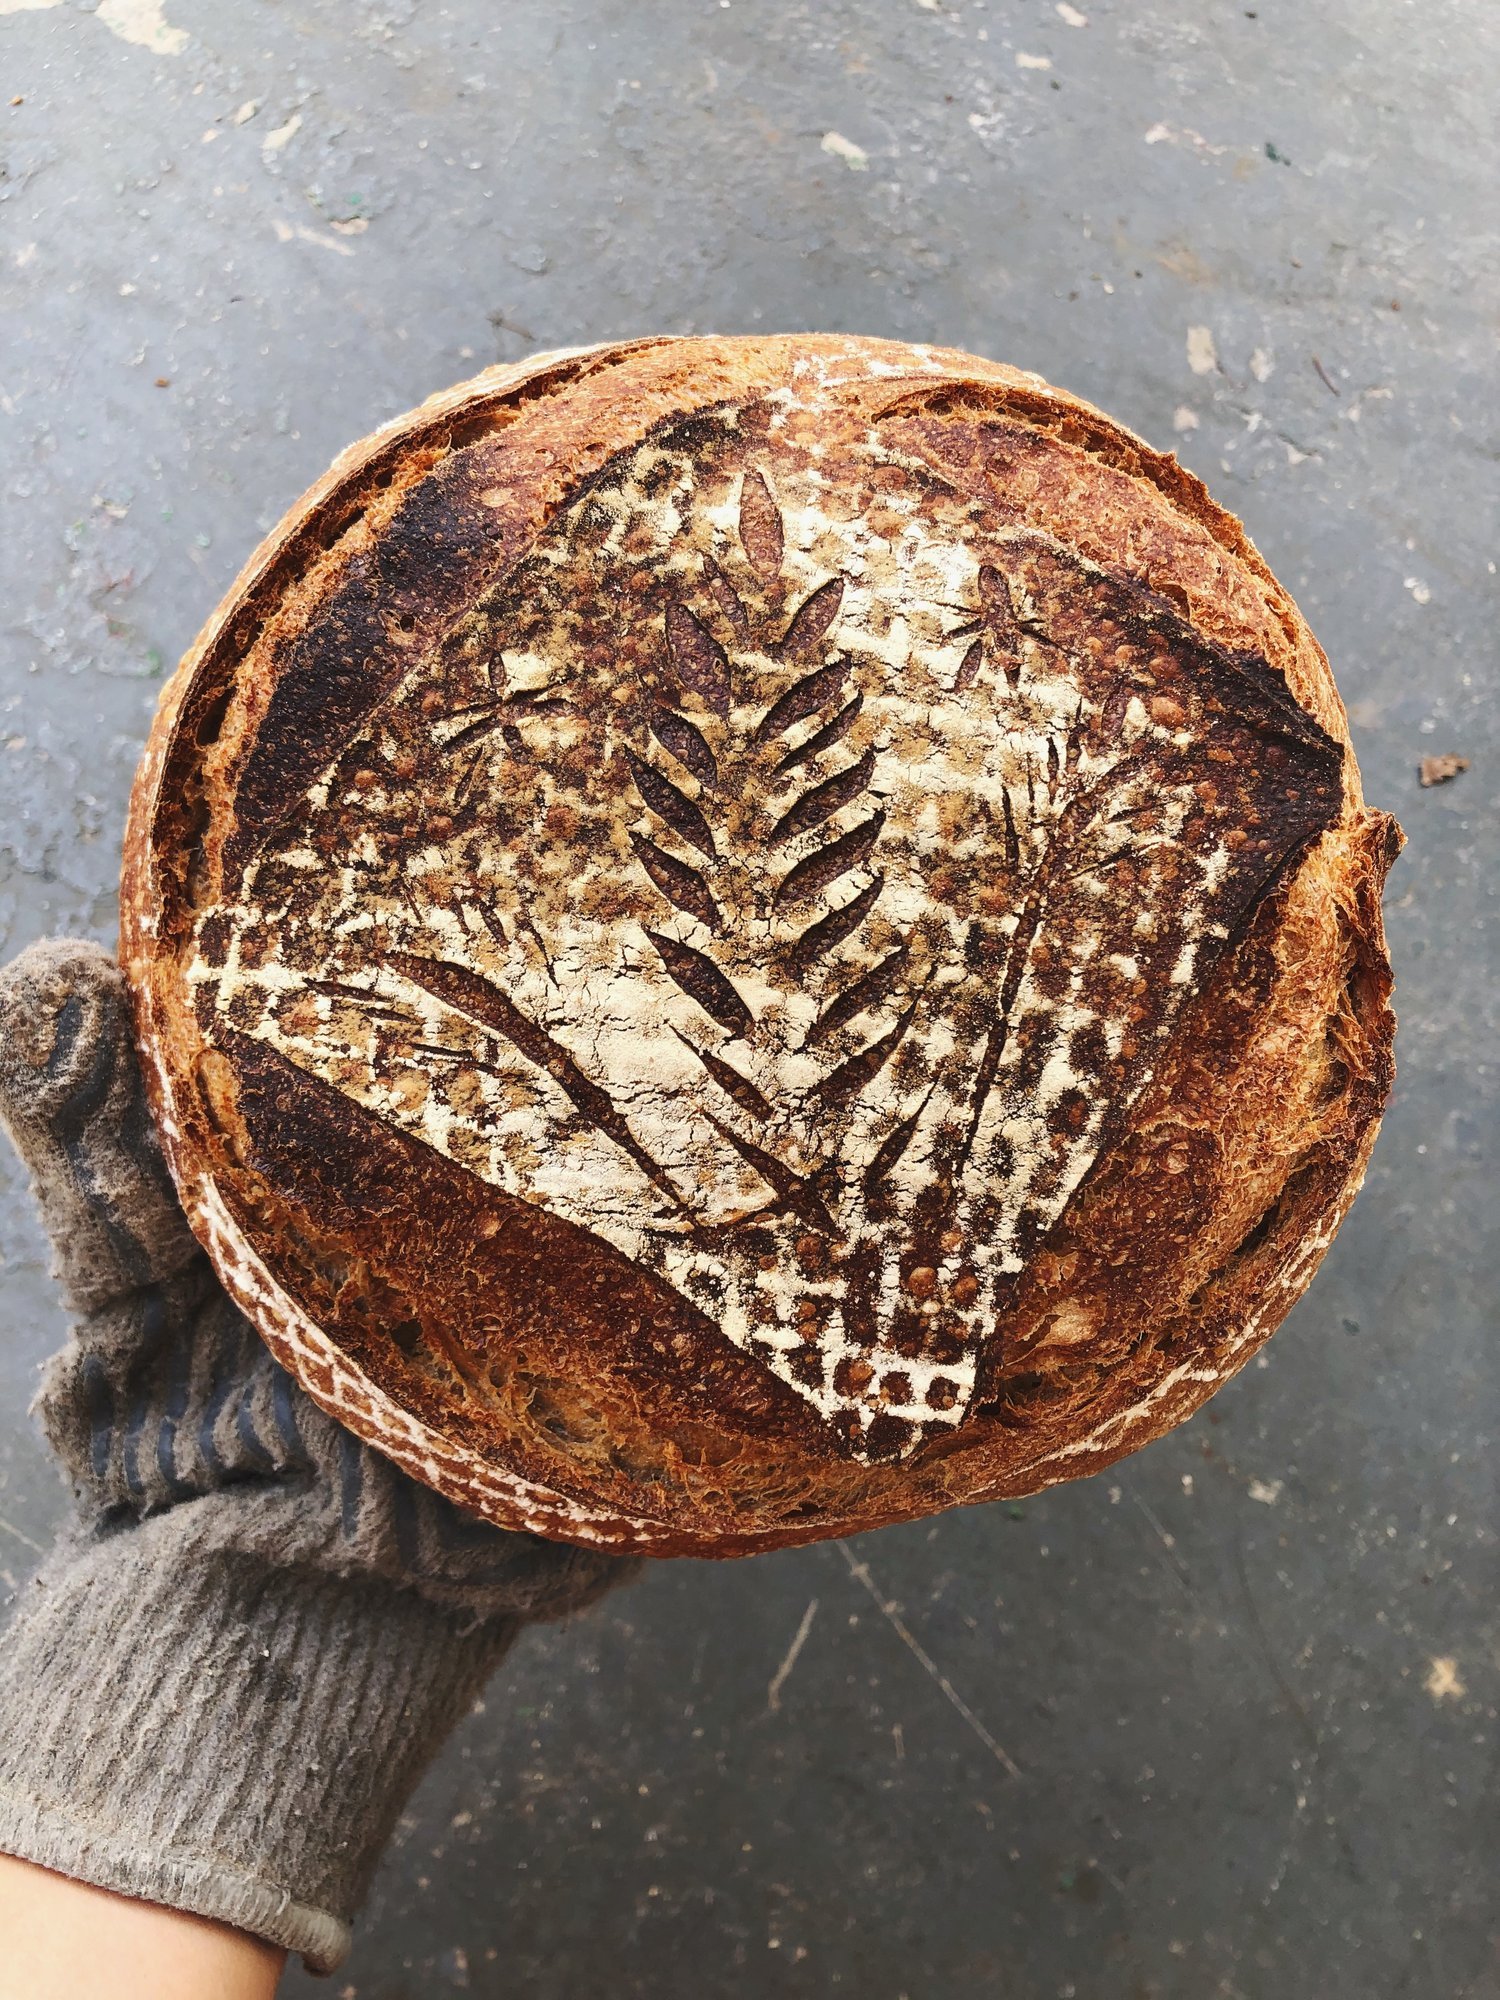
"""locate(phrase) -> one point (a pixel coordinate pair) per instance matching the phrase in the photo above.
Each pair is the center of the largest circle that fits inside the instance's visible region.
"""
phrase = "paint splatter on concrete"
(138, 21)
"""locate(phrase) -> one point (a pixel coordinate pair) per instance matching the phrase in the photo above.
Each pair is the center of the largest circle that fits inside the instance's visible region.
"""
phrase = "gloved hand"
(232, 1669)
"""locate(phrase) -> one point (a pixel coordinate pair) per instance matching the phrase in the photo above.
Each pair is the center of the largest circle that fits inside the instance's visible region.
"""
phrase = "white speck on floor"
(1443, 1682)
(1202, 355)
(845, 149)
(274, 141)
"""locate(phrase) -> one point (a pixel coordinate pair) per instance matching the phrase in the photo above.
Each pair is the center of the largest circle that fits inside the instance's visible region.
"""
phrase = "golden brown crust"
(490, 1330)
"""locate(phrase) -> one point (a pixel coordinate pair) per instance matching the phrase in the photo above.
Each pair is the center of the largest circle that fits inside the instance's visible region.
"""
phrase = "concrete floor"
(1250, 1676)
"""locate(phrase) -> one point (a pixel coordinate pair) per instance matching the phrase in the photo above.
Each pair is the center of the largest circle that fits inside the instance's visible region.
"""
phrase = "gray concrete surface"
(1250, 1676)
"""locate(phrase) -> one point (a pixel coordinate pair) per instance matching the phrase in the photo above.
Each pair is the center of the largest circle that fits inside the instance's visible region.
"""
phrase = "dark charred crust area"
(484, 1315)
(856, 954)
(266, 635)
(394, 595)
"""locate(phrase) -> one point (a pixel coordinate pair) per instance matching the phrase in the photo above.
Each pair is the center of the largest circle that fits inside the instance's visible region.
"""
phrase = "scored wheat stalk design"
(800, 898)
(719, 876)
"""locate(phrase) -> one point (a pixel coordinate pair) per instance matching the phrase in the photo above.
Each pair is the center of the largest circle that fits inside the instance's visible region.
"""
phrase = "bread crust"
(562, 1383)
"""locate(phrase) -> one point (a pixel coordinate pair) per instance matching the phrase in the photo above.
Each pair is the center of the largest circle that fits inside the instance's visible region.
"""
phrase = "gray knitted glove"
(231, 1671)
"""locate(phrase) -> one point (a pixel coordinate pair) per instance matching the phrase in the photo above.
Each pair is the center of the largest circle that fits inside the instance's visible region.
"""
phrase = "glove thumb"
(72, 1100)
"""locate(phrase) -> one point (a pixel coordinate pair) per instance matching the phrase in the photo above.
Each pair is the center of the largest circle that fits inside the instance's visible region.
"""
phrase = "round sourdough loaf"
(735, 940)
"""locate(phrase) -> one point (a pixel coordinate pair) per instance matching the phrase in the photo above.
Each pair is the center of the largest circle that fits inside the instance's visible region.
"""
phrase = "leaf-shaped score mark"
(825, 738)
(805, 698)
(996, 622)
(760, 524)
(675, 807)
(851, 1077)
(728, 600)
(824, 800)
(702, 981)
(865, 993)
(839, 857)
(680, 884)
(698, 660)
(792, 1191)
(998, 611)
(729, 1080)
(998, 616)
(892, 1147)
(829, 932)
(687, 744)
(470, 993)
(811, 620)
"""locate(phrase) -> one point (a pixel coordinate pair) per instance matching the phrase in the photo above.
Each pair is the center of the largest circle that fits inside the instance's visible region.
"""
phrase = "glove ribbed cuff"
(194, 1727)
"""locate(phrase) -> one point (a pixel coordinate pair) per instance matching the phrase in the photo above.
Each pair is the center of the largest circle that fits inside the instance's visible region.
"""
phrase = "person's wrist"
(59, 1935)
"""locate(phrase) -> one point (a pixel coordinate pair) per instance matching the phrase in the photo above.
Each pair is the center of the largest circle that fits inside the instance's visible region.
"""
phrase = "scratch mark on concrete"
(779, 1678)
(1312, 1734)
(861, 1574)
(11, 1529)
(1168, 1544)
(1173, 135)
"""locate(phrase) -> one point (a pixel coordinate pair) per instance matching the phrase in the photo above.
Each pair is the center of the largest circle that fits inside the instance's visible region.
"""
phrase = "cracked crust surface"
(738, 939)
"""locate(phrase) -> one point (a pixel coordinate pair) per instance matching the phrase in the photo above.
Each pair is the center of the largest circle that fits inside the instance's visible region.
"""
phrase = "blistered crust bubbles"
(780, 939)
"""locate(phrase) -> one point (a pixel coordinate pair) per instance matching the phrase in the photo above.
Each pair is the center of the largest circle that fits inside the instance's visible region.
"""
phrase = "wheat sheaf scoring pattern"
(807, 901)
